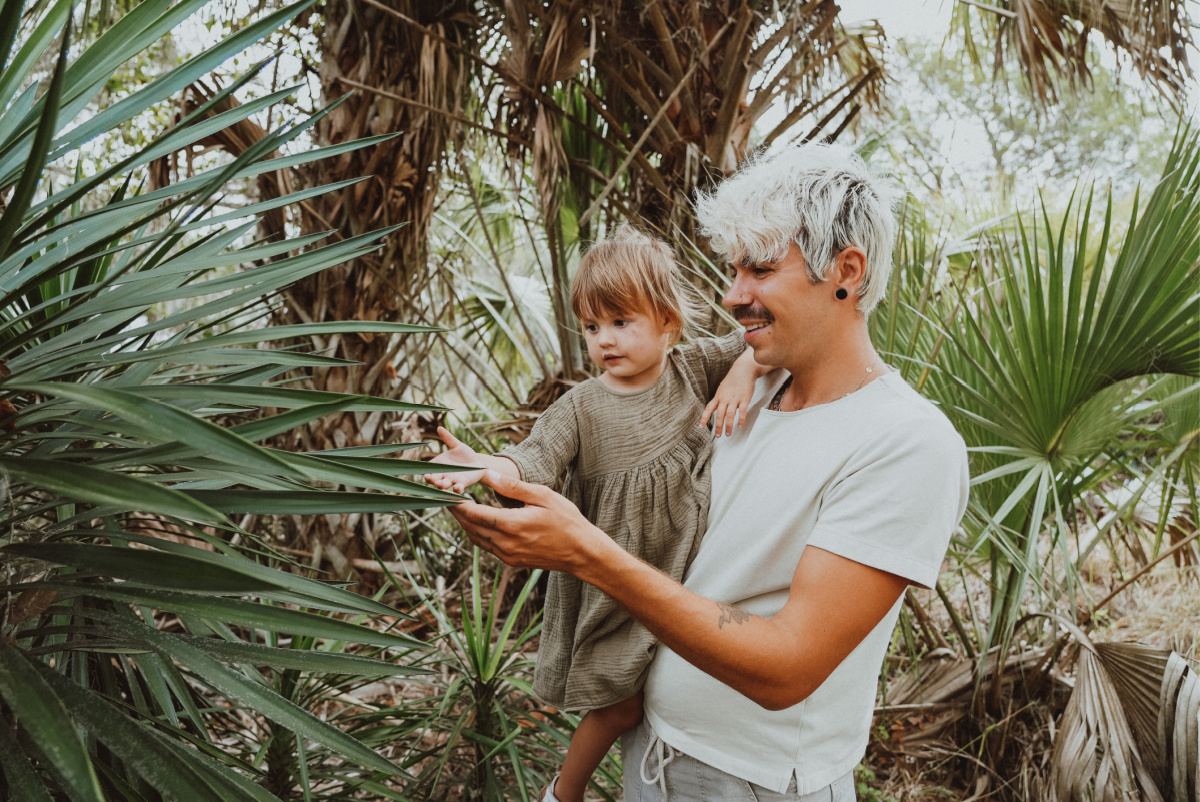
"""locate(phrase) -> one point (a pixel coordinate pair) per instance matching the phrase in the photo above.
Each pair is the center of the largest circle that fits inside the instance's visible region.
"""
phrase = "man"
(842, 489)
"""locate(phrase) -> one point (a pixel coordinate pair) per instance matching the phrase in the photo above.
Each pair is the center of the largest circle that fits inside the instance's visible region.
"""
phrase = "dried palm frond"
(1095, 756)
(925, 705)
(406, 64)
(1049, 39)
(1131, 729)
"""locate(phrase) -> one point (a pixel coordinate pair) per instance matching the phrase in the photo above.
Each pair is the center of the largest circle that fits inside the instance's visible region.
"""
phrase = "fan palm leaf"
(1131, 729)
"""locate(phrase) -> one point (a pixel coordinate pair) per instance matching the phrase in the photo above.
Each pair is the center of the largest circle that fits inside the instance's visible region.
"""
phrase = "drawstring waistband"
(665, 754)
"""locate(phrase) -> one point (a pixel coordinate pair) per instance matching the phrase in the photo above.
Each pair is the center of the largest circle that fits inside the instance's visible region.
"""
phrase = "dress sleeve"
(551, 447)
(708, 359)
(897, 502)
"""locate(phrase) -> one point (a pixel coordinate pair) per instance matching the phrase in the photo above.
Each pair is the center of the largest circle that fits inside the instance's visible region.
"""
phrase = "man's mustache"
(760, 313)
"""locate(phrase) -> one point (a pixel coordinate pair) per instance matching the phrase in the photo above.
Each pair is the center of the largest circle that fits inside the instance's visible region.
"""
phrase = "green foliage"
(130, 439)
(499, 745)
(864, 789)
(1047, 352)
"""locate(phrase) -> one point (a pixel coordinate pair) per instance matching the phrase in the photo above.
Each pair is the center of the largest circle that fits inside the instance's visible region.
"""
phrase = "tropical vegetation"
(232, 318)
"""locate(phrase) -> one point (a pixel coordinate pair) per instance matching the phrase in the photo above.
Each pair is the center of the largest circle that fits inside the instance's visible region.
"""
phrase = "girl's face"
(631, 347)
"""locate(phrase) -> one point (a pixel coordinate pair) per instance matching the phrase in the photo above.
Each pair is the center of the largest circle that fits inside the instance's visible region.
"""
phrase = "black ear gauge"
(841, 293)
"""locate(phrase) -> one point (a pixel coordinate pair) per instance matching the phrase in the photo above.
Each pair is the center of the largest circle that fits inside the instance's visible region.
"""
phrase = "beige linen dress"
(637, 466)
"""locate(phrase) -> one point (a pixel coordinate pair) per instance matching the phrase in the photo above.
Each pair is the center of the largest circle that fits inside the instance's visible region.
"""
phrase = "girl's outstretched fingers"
(450, 440)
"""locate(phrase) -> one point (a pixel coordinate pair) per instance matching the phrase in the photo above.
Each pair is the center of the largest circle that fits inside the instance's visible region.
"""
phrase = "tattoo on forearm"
(731, 615)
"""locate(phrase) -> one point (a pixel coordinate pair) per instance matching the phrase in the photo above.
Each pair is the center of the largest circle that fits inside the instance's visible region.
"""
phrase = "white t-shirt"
(879, 477)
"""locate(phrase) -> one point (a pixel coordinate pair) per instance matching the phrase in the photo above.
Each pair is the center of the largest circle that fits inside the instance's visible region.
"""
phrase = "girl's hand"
(731, 403)
(732, 400)
(459, 454)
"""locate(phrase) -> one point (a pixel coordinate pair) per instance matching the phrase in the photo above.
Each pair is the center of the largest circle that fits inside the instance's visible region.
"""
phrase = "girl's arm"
(732, 399)
(462, 454)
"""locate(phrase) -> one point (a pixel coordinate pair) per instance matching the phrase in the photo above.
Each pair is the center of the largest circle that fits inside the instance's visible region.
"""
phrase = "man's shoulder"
(900, 414)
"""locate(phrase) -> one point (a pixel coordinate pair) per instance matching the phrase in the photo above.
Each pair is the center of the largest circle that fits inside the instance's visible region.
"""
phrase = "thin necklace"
(778, 399)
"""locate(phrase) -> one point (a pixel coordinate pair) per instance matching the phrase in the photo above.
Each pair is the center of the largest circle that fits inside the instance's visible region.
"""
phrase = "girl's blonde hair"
(630, 271)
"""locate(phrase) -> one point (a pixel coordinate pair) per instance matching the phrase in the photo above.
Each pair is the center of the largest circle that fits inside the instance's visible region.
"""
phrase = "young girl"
(629, 448)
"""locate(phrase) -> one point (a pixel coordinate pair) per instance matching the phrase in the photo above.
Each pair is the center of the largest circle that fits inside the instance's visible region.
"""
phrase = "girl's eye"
(590, 328)
(620, 323)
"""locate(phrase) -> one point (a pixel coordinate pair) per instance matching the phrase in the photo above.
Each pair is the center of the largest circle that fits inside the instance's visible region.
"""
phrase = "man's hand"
(548, 532)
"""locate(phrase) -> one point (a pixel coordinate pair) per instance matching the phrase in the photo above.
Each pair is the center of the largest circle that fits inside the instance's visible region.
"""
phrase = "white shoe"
(549, 795)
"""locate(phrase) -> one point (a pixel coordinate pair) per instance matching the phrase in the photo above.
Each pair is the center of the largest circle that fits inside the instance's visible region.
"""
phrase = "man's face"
(784, 313)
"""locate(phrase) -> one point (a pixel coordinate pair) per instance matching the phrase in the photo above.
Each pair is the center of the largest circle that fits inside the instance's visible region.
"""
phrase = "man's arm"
(834, 602)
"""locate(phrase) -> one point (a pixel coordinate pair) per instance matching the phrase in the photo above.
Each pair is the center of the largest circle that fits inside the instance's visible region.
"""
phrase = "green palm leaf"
(132, 421)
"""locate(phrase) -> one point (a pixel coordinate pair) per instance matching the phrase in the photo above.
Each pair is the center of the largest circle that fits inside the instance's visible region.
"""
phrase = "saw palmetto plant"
(1064, 349)
(137, 610)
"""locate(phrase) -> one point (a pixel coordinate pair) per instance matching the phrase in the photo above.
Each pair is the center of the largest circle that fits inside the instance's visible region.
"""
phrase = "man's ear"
(850, 268)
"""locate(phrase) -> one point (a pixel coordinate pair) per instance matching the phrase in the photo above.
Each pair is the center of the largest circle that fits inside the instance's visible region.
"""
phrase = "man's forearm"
(756, 657)
(777, 662)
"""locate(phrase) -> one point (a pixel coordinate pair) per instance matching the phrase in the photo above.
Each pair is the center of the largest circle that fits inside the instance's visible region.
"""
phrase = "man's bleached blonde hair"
(630, 271)
(822, 197)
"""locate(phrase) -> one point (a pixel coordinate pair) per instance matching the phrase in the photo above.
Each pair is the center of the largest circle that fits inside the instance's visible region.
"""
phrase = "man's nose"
(736, 295)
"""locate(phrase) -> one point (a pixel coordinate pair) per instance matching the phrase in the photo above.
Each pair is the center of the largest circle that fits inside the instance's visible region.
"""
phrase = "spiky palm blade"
(131, 436)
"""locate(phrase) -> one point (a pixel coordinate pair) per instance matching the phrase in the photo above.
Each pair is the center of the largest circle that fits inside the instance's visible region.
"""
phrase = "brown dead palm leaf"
(1049, 39)
(1095, 756)
(678, 86)
(405, 62)
(927, 705)
(692, 81)
(1131, 729)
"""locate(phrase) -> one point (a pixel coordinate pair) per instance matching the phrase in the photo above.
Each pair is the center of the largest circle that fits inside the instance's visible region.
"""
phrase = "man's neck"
(834, 374)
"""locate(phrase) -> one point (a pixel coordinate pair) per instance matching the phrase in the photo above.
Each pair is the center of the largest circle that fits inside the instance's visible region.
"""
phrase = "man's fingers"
(468, 517)
(482, 525)
(512, 488)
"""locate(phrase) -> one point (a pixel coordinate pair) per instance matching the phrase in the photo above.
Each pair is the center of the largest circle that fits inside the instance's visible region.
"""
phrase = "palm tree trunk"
(402, 60)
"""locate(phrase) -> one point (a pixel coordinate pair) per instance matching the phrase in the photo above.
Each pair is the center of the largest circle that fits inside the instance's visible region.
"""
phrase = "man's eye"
(760, 271)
